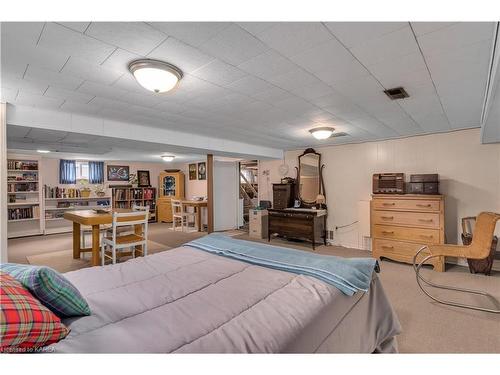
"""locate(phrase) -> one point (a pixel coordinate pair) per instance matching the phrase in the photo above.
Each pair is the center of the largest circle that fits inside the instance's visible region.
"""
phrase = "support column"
(3, 183)
(210, 192)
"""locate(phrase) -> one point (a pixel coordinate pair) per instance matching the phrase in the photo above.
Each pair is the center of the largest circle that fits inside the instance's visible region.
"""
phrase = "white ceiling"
(71, 145)
(261, 83)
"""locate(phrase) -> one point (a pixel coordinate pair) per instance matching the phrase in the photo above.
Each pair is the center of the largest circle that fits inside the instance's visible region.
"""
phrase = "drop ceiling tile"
(219, 73)
(12, 68)
(327, 55)
(313, 91)
(272, 94)
(170, 107)
(294, 79)
(25, 98)
(104, 91)
(422, 106)
(24, 31)
(19, 52)
(352, 34)
(185, 57)
(79, 107)
(455, 36)
(386, 47)
(291, 38)
(267, 65)
(421, 28)
(404, 126)
(31, 87)
(8, 95)
(390, 70)
(433, 123)
(256, 27)
(361, 88)
(77, 26)
(46, 135)
(192, 33)
(145, 99)
(249, 85)
(90, 72)
(63, 40)
(71, 95)
(55, 79)
(128, 82)
(119, 60)
(136, 37)
(233, 45)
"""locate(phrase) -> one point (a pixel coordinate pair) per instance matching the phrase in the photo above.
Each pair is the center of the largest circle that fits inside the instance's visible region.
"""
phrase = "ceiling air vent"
(396, 93)
(339, 134)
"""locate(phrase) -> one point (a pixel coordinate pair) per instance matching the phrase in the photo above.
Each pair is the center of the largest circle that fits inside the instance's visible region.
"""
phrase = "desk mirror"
(309, 177)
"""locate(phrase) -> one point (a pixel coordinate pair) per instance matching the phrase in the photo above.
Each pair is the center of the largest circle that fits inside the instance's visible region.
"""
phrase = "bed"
(190, 301)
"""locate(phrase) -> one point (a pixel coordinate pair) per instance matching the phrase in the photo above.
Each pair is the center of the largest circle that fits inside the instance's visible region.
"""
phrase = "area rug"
(63, 261)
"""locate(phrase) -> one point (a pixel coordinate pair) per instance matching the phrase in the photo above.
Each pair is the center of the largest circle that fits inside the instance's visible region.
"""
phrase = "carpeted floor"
(428, 327)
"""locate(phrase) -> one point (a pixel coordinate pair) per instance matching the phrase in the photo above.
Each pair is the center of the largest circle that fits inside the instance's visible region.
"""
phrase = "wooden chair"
(478, 249)
(179, 213)
(127, 240)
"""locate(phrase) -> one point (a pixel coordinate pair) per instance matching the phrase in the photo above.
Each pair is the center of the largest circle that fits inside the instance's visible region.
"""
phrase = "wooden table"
(95, 220)
(198, 205)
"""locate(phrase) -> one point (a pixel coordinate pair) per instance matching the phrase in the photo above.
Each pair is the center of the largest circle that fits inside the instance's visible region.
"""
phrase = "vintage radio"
(389, 183)
(424, 184)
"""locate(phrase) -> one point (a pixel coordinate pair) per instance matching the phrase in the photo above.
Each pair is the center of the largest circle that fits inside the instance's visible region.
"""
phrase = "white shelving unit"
(24, 196)
(53, 211)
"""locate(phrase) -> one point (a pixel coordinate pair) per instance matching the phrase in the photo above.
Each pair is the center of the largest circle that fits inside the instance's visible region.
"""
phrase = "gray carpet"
(428, 327)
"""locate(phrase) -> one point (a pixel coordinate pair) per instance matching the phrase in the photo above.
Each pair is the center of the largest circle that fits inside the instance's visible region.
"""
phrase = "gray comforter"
(187, 300)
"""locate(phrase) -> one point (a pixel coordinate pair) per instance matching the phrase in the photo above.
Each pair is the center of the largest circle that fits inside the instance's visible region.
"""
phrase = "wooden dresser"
(402, 224)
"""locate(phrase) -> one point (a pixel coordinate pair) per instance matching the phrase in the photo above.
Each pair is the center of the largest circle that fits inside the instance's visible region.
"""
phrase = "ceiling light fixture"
(168, 157)
(154, 75)
(322, 133)
(43, 151)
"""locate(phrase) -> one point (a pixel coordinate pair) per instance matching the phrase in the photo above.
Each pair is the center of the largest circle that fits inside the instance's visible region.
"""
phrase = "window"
(82, 170)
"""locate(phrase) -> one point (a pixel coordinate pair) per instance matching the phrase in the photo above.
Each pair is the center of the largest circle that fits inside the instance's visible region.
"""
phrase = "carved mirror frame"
(321, 189)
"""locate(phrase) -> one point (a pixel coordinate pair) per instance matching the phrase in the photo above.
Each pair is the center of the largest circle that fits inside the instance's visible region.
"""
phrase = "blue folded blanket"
(347, 274)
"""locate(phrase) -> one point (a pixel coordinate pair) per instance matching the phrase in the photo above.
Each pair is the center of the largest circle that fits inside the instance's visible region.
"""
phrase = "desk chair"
(478, 249)
(128, 240)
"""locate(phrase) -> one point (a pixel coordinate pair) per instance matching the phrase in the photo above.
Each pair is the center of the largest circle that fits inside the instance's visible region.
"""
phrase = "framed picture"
(192, 171)
(118, 172)
(143, 179)
(202, 171)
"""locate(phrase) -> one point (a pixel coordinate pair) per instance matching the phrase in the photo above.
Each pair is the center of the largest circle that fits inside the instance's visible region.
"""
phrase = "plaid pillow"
(24, 321)
(50, 287)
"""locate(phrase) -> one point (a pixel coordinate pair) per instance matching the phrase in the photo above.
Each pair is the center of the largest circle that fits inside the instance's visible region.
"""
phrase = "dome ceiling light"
(154, 75)
(322, 133)
(168, 157)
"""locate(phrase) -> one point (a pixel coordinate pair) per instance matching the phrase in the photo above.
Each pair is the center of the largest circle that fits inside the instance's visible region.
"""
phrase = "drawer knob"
(426, 236)
(388, 204)
(387, 217)
(388, 232)
(426, 220)
(423, 205)
(387, 247)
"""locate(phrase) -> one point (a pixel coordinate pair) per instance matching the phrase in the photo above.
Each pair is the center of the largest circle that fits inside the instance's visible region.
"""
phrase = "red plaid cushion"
(24, 321)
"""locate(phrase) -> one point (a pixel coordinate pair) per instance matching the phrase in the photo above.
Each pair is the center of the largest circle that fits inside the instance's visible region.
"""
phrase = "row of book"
(57, 192)
(22, 165)
(30, 186)
(32, 176)
(32, 212)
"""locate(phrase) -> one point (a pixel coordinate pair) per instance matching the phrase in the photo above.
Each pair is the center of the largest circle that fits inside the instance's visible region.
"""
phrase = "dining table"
(95, 220)
(197, 205)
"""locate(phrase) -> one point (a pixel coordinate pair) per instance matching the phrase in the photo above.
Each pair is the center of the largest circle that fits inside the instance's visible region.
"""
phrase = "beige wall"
(469, 173)
(194, 188)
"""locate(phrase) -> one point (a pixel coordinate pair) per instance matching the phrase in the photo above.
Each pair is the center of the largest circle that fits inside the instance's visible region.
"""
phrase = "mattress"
(189, 301)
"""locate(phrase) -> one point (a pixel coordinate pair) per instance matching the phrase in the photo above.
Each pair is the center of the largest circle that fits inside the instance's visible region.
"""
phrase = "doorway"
(249, 188)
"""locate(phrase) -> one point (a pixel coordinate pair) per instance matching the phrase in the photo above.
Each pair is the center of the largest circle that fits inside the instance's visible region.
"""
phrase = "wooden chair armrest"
(460, 251)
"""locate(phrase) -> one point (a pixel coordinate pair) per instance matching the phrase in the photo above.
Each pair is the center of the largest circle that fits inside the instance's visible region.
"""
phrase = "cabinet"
(402, 224)
(283, 195)
(258, 223)
(171, 186)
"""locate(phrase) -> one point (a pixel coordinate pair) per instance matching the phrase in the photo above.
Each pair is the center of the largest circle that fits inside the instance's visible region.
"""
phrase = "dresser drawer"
(406, 204)
(404, 249)
(430, 236)
(416, 219)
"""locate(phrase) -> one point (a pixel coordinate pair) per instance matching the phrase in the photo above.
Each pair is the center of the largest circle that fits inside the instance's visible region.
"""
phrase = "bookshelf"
(59, 200)
(23, 196)
(126, 197)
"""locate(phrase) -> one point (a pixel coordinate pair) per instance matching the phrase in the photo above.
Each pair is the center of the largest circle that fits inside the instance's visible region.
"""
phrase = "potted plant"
(100, 190)
(84, 189)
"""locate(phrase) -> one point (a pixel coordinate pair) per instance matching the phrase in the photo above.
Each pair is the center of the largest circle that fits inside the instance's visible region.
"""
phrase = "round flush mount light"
(155, 75)
(322, 133)
(43, 151)
(168, 157)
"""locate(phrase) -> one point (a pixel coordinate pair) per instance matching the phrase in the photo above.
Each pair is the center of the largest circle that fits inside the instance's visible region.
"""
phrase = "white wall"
(469, 173)
(3, 184)
(226, 195)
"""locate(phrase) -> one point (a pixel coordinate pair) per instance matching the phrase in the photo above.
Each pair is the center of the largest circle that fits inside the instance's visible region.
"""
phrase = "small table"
(95, 220)
(198, 205)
